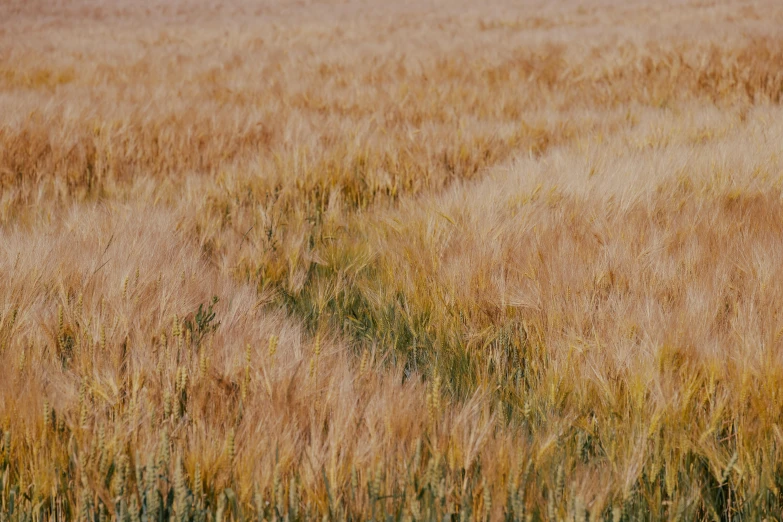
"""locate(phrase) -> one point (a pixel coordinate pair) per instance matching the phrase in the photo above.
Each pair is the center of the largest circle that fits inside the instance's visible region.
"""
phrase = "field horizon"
(355, 260)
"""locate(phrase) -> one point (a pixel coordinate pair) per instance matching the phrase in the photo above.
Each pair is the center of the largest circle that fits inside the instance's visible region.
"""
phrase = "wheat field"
(363, 260)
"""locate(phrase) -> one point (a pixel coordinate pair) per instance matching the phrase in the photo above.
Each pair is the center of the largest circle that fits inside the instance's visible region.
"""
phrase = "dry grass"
(476, 261)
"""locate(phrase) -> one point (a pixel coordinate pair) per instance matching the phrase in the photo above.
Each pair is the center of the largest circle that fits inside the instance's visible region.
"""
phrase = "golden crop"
(364, 260)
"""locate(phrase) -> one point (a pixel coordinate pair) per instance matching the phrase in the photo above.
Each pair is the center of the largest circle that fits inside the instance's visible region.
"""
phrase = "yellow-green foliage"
(475, 261)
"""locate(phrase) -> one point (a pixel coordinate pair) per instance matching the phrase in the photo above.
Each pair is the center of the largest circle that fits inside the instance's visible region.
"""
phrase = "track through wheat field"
(353, 260)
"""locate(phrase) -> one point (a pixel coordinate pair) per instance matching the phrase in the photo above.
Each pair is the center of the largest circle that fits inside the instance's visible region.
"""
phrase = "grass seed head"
(47, 415)
(231, 445)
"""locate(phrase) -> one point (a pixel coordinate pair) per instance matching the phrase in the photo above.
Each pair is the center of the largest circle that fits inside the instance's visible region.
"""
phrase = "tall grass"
(426, 262)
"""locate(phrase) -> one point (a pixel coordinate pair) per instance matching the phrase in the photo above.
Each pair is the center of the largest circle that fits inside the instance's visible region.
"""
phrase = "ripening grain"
(364, 260)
